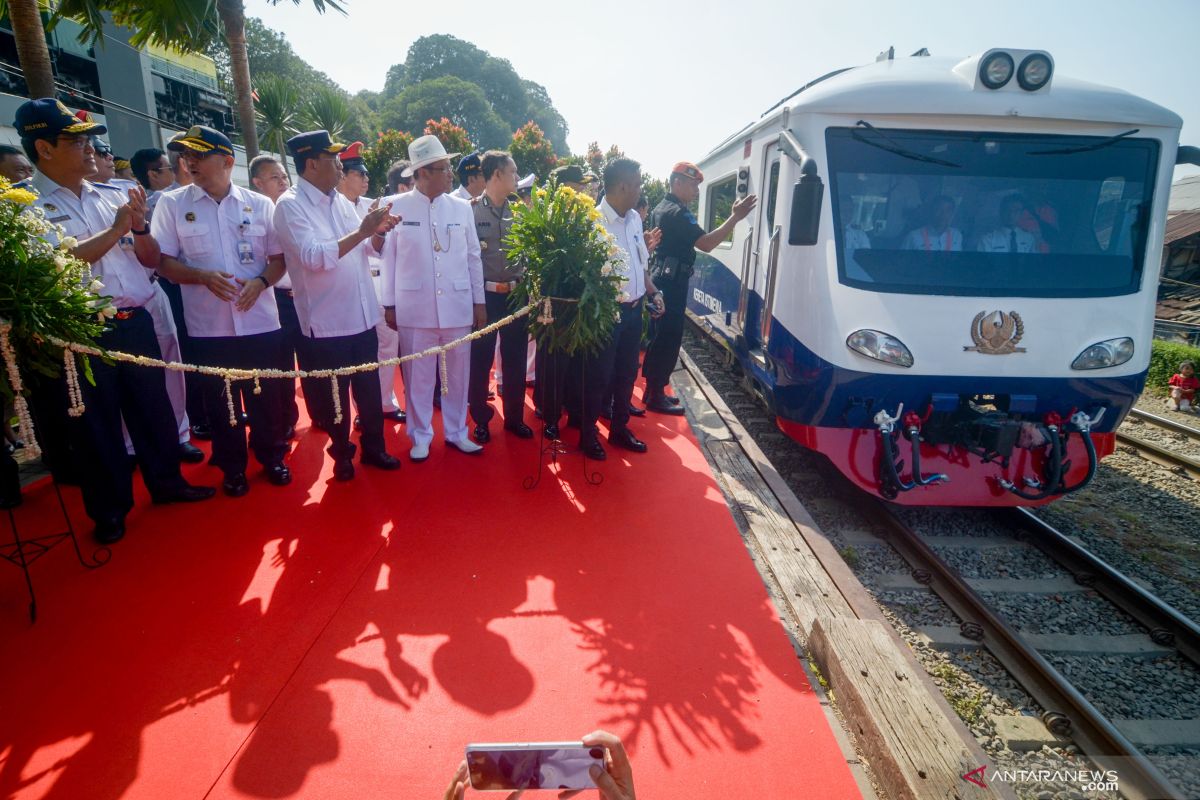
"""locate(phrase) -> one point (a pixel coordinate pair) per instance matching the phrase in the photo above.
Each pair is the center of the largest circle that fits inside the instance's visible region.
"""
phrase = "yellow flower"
(22, 197)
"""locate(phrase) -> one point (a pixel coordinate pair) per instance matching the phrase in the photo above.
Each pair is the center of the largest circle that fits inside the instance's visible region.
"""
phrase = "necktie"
(1012, 240)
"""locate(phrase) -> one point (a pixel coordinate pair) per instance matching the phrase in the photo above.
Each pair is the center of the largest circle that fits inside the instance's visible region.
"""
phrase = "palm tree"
(328, 110)
(278, 101)
(32, 53)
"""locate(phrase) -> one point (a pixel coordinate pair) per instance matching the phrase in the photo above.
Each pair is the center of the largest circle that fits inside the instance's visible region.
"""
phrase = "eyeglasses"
(192, 155)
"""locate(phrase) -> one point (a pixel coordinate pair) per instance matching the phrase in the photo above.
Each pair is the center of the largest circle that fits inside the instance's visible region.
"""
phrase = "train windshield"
(990, 214)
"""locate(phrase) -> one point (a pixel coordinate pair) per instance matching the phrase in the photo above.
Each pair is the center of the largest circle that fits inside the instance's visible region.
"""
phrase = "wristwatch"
(142, 232)
(266, 283)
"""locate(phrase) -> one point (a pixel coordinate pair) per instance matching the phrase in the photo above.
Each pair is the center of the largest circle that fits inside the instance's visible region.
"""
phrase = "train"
(947, 285)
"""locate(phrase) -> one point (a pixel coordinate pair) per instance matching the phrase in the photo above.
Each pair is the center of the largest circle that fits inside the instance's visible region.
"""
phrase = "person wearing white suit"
(433, 293)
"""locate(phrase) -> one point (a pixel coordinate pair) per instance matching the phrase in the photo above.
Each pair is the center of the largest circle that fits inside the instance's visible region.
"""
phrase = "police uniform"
(117, 389)
(234, 235)
(433, 276)
(671, 266)
(335, 302)
(500, 278)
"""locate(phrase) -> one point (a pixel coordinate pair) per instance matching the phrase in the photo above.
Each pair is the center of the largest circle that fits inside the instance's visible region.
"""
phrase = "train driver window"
(721, 196)
(990, 214)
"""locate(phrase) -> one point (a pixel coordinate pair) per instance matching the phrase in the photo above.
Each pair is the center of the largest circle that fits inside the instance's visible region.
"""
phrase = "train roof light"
(1034, 72)
(880, 346)
(1109, 353)
(996, 70)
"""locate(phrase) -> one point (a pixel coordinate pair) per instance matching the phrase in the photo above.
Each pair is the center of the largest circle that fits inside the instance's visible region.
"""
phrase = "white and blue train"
(947, 286)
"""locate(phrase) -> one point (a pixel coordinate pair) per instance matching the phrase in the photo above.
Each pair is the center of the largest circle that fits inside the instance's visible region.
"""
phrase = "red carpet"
(333, 641)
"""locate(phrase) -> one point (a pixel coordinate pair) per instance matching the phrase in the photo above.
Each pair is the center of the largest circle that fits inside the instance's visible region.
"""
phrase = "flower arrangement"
(46, 294)
(573, 270)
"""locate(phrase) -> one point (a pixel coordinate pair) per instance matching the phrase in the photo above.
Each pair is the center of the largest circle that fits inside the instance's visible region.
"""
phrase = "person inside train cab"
(937, 235)
(1010, 237)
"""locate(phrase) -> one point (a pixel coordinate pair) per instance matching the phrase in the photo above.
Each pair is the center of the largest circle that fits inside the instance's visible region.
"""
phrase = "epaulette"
(108, 186)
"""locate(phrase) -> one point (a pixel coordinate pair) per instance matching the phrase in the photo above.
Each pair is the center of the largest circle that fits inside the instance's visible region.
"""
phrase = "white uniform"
(389, 340)
(433, 275)
(461, 193)
(929, 240)
(1001, 241)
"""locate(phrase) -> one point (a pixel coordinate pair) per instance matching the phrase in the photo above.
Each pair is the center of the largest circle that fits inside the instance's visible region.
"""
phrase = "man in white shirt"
(326, 246)
(615, 369)
(471, 182)
(353, 186)
(218, 243)
(1010, 237)
(433, 293)
(111, 235)
(938, 236)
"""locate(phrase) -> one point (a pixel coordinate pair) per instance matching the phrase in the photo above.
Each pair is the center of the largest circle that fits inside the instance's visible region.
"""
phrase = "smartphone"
(533, 765)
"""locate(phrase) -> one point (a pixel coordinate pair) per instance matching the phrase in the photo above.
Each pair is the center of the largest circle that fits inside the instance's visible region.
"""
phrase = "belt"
(499, 287)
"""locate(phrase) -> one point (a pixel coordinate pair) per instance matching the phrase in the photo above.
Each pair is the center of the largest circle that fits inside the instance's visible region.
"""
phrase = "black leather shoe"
(189, 453)
(625, 438)
(357, 422)
(278, 475)
(343, 470)
(672, 399)
(109, 531)
(519, 429)
(243, 419)
(593, 450)
(660, 405)
(185, 494)
(634, 411)
(235, 485)
(203, 432)
(380, 460)
(551, 432)
(395, 416)
(482, 434)
(537, 412)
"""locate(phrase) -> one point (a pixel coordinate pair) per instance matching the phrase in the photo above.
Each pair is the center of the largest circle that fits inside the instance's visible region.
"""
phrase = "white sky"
(669, 80)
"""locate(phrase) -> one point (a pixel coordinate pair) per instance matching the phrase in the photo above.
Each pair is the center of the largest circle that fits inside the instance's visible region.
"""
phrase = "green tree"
(532, 151)
(654, 189)
(277, 107)
(453, 137)
(328, 110)
(450, 97)
(389, 147)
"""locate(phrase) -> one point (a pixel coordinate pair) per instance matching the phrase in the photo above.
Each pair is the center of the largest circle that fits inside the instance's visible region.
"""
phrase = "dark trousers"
(139, 395)
(254, 351)
(348, 351)
(192, 381)
(666, 334)
(514, 343)
(293, 341)
(614, 372)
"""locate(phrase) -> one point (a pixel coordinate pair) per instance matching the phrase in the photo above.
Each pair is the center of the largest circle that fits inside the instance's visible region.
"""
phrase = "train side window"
(721, 195)
(772, 190)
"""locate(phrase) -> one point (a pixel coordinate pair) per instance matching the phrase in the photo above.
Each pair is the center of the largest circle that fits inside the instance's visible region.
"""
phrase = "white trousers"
(159, 308)
(420, 377)
(389, 347)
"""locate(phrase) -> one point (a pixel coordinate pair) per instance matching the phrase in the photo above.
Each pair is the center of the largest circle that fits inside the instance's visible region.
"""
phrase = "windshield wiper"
(1066, 151)
(896, 149)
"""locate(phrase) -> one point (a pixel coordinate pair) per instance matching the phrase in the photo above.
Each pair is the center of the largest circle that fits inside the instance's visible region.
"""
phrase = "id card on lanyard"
(245, 250)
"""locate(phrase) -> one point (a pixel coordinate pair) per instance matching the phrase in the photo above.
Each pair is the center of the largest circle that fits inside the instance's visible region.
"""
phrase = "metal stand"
(555, 447)
(23, 552)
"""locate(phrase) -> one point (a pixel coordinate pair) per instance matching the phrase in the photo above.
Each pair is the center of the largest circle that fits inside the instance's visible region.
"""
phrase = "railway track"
(1156, 452)
(1139, 628)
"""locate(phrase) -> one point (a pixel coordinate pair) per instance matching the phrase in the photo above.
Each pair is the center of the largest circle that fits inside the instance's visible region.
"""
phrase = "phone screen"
(549, 765)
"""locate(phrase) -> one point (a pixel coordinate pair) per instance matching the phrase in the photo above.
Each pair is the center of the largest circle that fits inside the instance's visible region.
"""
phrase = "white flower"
(69, 243)
(109, 311)
(96, 286)
(61, 262)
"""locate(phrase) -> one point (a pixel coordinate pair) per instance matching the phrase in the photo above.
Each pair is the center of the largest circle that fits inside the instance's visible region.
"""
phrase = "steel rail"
(1160, 455)
(1167, 625)
(1165, 423)
(1067, 711)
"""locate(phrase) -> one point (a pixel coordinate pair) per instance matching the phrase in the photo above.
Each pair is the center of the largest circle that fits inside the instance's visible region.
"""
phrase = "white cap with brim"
(425, 151)
(526, 182)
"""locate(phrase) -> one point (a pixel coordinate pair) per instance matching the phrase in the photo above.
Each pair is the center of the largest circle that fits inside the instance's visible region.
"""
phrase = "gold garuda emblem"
(997, 333)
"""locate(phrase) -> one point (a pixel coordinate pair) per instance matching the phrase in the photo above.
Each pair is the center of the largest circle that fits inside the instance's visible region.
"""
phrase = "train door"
(761, 253)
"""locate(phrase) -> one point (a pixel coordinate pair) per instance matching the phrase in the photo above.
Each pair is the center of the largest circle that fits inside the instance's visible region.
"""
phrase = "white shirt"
(627, 231)
(929, 240)
(432, 287)
(461, 193)
(334, 296)
(192, 227)
(1000, 241)
(93, 212)
(362, 207)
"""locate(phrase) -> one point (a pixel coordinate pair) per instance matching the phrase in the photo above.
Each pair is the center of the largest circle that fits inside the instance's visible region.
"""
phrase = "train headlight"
(997, 70)
(1034, 71)
(880, 346)
(1109, 353)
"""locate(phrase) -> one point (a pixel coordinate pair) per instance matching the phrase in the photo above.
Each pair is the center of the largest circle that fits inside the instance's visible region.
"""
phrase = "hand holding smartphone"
(533, 765)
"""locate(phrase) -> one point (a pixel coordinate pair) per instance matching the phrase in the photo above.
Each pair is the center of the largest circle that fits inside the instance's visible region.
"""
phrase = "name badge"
(407, 224)
(59, 218)
(126, 243)
(245, 252)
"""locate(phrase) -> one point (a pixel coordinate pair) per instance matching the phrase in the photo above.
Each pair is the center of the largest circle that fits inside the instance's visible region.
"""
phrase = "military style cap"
(313, 142)
(468, 165)
(688, 170)
(49, 117)
(201, 139)
(352, 158)
(121, 163)
(526, 182)
(572, 173)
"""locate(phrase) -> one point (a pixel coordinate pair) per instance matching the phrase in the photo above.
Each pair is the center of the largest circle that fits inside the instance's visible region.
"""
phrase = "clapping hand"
(378, 220)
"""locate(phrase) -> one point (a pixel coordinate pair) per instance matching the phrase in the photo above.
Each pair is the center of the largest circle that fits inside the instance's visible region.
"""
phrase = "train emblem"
(996, 334)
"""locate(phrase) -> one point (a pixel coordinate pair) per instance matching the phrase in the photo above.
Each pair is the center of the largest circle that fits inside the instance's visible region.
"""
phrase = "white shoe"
(419, 452)
(1185, 405)
(465, 446)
